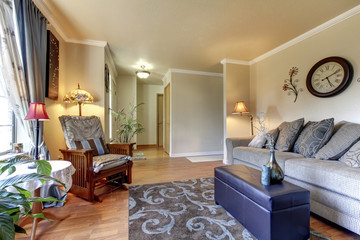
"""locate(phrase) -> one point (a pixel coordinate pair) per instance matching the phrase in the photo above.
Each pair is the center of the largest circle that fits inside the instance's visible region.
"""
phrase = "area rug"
(138, 155)
(183, 210)
(209, 158)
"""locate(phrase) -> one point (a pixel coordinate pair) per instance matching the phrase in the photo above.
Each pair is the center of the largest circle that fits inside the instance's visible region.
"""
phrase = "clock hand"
(331, 74)
(331, 85)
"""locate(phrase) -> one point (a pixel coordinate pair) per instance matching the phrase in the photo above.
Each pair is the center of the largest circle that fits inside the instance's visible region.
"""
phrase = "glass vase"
(276, 173)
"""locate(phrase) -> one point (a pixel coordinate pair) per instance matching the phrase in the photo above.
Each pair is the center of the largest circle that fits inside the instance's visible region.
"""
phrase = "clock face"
(329, 77)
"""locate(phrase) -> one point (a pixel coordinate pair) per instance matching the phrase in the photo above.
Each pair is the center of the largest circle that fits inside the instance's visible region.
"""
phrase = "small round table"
(60, 170)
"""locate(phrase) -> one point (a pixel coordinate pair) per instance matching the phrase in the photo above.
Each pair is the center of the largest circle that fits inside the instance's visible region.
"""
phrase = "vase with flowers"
(276, 173)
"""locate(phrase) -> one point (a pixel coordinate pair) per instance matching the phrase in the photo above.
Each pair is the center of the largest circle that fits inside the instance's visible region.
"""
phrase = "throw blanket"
(107, 161)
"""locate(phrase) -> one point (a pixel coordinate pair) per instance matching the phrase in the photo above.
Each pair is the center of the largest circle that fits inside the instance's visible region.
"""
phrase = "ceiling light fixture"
(143, 74)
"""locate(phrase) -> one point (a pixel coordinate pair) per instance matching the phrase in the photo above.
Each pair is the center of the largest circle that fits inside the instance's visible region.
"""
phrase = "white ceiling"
(190, 34)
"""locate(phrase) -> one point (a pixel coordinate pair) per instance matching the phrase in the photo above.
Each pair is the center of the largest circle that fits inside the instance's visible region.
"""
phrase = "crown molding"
(111, 60)
(342, 17)
(175, 70)
(234, 61)
(50, 17)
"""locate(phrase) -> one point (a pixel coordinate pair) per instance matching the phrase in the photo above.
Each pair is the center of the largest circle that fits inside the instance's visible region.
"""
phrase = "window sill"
(10, 155)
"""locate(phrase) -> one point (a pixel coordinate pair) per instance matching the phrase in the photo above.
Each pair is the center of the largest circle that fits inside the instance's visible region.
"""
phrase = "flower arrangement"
(270, 141)
(290, 84)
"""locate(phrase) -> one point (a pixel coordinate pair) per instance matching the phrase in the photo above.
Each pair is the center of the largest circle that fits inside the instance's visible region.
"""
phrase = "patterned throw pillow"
(352, 157)
(274, 133)
(340, 142)
(288, 134)
(313, 137)
(97, 144)
(258, 141)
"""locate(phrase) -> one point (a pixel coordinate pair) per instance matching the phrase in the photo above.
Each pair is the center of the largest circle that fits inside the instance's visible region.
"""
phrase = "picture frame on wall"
(52, 68)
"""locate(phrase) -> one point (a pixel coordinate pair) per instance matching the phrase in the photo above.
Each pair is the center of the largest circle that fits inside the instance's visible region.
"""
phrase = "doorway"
(159, 120)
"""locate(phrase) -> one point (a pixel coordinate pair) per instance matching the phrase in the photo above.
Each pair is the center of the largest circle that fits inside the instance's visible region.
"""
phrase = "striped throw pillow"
(98, 145)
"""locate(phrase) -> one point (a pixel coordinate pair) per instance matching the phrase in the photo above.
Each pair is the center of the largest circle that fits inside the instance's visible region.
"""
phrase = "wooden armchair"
(88, 183)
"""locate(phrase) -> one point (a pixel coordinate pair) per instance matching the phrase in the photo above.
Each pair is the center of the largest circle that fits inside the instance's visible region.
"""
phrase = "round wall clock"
(329, 77)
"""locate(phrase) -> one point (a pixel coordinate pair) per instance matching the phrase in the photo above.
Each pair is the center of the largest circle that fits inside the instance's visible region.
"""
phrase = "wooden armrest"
(121, 148)
(79, 151)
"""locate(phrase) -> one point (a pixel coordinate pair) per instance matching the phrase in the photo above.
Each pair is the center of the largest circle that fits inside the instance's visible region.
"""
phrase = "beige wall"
(147, 113)
(196, 114)
(52, 129)
(125, 95)
(237, 88)
(82, 64)
(268, 75)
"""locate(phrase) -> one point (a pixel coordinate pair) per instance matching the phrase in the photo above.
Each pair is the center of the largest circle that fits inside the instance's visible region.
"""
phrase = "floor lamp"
(240, 108)
(36, 112)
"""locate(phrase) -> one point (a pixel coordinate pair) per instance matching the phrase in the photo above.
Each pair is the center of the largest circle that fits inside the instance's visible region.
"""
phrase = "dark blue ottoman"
(280, 211)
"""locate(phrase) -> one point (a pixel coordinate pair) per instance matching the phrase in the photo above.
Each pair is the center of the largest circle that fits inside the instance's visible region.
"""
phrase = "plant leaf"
(7, 228)
(43, 167)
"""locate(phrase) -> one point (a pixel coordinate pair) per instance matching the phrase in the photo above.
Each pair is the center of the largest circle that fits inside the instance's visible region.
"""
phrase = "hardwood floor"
(109, 219)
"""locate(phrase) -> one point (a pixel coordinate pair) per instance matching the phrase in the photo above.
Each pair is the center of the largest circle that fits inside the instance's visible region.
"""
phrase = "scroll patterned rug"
(138, 155)
(183, 210)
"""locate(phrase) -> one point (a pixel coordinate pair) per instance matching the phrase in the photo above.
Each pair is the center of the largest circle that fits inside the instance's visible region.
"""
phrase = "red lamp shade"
(37, 111)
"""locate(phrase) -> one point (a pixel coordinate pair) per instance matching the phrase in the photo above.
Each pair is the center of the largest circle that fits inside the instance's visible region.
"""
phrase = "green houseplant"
(14, 205)
(127, 124)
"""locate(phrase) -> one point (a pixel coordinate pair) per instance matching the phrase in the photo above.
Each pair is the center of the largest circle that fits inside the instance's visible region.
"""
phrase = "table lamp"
(36, 112)
(240, 108)
(78, 96)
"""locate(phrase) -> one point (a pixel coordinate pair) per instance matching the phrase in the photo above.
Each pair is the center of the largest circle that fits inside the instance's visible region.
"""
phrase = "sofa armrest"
(232, 143)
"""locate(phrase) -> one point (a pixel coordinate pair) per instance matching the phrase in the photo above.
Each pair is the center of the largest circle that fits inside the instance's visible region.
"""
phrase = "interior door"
(160, 118)
(167, 119)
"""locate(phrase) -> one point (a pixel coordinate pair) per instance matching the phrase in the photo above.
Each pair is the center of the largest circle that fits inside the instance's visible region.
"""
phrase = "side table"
(61, 170)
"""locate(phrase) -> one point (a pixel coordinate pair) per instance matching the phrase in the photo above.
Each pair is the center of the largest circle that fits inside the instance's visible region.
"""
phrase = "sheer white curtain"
(23, 69)
(12, 76)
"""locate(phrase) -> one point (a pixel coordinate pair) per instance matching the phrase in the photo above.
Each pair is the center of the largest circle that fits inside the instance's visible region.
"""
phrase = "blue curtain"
(31, 27)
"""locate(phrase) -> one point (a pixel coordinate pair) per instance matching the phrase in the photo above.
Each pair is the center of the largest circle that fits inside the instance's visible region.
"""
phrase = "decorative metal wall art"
(52, 68)
(290, 85)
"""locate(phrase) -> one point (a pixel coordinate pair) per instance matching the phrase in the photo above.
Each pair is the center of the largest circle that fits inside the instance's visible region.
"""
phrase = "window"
(7, 124)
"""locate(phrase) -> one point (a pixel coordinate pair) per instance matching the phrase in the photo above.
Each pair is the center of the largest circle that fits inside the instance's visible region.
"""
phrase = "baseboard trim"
(146, 146)
(194, 154)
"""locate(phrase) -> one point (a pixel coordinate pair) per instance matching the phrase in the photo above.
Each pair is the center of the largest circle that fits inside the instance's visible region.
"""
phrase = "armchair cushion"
(108, 161)
(97, 145)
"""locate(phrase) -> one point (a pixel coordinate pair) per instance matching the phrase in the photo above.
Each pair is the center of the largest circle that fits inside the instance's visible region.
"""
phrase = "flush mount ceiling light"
(142, 73)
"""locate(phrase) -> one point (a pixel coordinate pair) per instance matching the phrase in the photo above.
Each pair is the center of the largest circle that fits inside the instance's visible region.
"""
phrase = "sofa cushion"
(331, 175)
(260, 156)
(274, 133)
(288, 134)
(258, 141)
(340, 142)
(313, 137)
(352, 157)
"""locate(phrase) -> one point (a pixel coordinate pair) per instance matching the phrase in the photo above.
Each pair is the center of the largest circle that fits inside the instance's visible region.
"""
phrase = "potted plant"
(127, 124)
(14, 205)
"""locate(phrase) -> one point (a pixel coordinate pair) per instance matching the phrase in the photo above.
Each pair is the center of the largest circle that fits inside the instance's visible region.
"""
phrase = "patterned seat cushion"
(313, 137)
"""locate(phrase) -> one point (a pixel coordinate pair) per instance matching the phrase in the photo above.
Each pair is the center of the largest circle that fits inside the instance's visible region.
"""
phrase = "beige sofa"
(334, 186)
